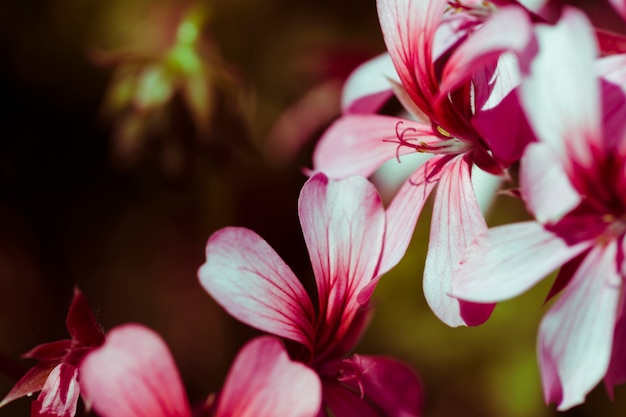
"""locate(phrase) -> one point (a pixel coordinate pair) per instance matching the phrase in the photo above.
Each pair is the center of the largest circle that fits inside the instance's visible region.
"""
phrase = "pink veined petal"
(456, 221)
(133, 375)
(359, 144)
(409, 105)
(508, 30)
(545, 185)
(387, 384)
(367, 89)
(576, 335)
(409, 28)
(616, 373)
(59, 395)
(264, 382)
(343, 223)
(508, 260)
(560, 94)
(402, 215)
(247, 277)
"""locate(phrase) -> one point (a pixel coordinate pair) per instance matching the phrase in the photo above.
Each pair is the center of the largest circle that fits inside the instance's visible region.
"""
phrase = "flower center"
(409, 137)
(616, 226)
(479, 9)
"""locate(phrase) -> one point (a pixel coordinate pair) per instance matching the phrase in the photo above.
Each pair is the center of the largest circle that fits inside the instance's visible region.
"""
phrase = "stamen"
(452, 146)
(443, 131)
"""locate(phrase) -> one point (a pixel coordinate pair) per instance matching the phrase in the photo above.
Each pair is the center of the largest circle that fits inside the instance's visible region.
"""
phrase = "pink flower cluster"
(495, 86)
(522, 90)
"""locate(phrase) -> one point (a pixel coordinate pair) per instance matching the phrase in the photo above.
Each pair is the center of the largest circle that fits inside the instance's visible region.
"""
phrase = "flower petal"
(498, 117)
(264, 382)
(359, 144)
(367, 89)
(31, 382)
(59, 395)
(402, 215)
(81, 323)
(409, 28)
(248, 278)
(343, 223)
(620, 7)
(456, 221)
(576, 335)
(344, 402)
(388, 385)
(616, 373)
(544, 183)
(508, 260)
(560, 94)
(133, 375)
(507, 30)
(612, 70)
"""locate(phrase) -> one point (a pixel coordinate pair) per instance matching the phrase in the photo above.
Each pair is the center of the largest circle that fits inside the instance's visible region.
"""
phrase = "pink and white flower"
(56, 374)
(457, 67)
(344, 228)
(574, 181)
(133, 374)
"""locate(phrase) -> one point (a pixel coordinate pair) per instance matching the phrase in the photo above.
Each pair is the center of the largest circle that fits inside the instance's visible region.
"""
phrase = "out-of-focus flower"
(456, 63)
(317, 107)
(574, 181)
(343, 223)
(133, 374)
(57, 373)
(150, 77)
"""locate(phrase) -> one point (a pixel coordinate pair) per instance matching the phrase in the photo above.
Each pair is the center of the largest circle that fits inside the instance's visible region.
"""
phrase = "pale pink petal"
(343, 223)
(402, 215)
(133, 375)
(510, 259)
(545, 185)
(533, 5)
(390, 386)
(59, 395)
(359, 144)
(507, 30)
(576, 335)
(368, 88)
(456, 221)
(264, 382)
(409, 28)
(616, 372)
(248, 278)
(560, 94)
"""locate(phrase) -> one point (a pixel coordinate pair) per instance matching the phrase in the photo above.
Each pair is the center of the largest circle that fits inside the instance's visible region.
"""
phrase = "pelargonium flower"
(343, 223)
(56, 374)
(133, 374)
(574, 182)
(458, 76)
